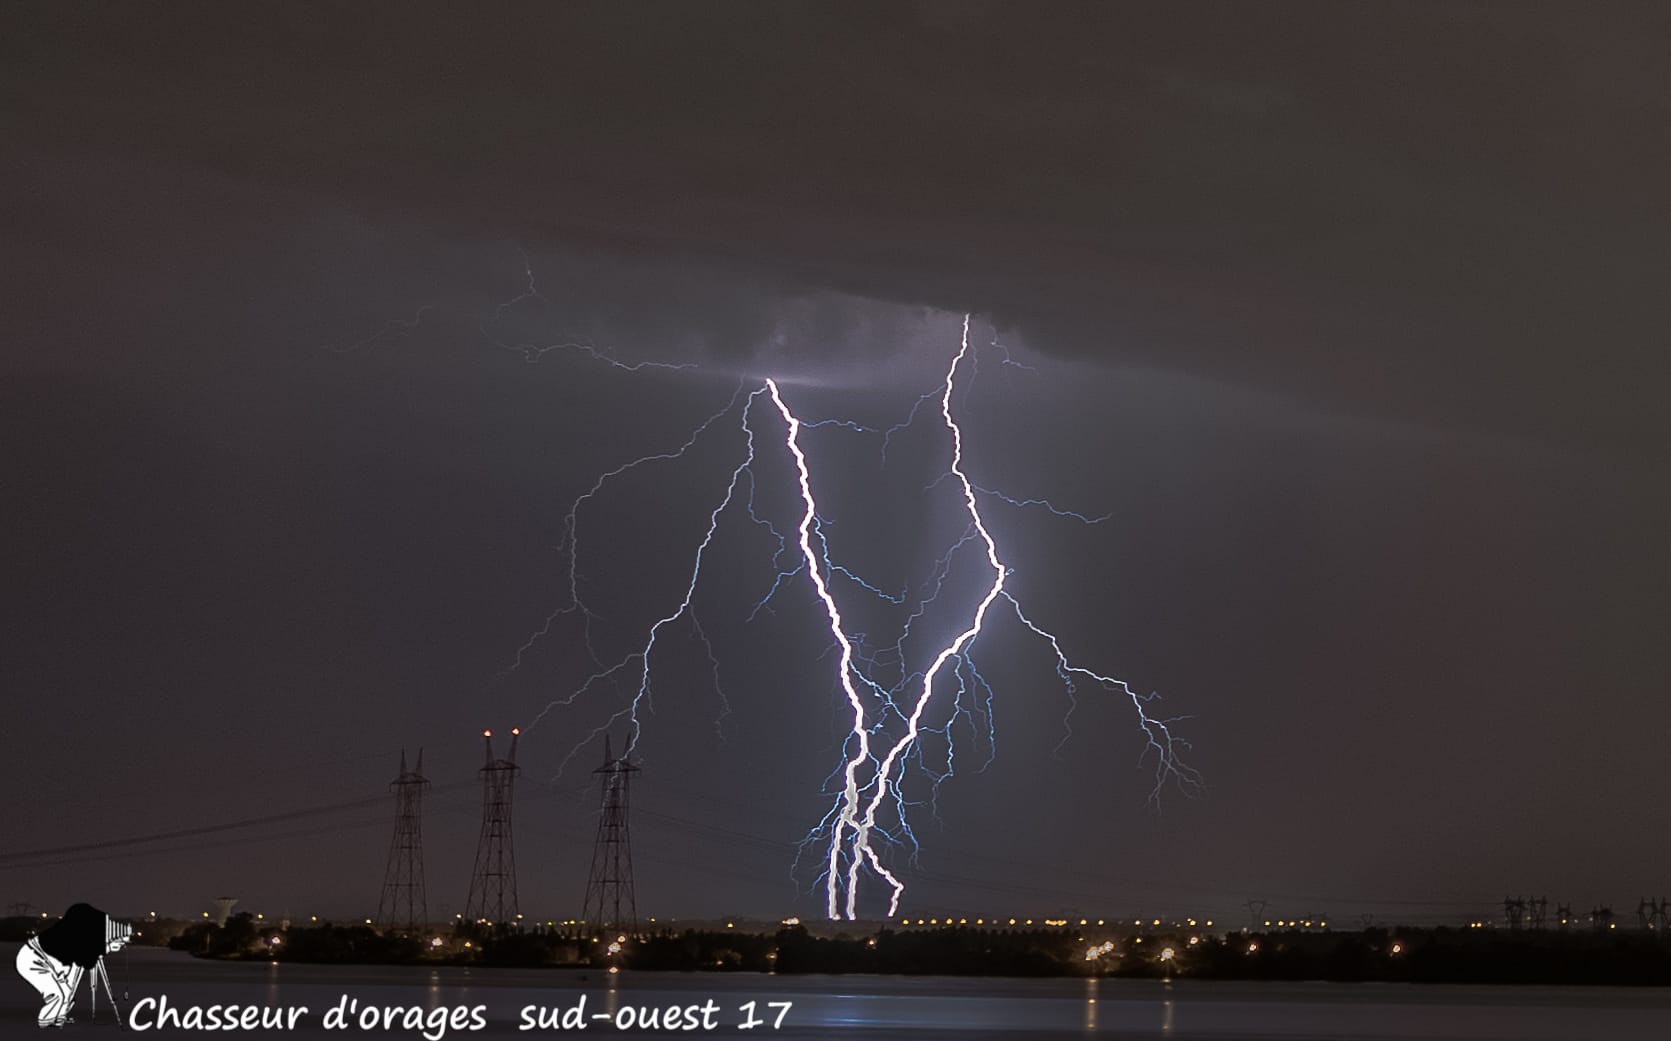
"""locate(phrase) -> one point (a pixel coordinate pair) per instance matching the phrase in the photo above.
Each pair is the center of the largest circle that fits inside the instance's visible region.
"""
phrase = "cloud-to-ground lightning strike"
(850, 790)
(888, 719)
(863, 852)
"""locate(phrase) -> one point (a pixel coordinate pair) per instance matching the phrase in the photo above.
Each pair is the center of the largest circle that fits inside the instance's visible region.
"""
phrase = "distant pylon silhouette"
(1653, 914)
(1602, 917)
(610, 902)
(492, 896)
(1514, 909)
(404, 903)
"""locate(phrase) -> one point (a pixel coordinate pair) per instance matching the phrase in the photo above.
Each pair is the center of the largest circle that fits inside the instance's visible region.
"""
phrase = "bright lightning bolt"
(861, 833)
(888, 720)
(850, 790)
(883, 782)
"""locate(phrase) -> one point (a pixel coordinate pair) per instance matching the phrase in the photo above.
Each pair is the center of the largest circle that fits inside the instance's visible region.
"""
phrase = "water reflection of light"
(1091, 1005)
(612, 996)
(1166, 1011)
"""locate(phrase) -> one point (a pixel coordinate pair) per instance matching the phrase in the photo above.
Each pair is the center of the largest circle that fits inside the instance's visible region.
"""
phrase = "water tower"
(223, 908)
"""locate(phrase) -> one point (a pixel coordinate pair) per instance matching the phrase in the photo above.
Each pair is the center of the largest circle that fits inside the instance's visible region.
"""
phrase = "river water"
(491, 1003)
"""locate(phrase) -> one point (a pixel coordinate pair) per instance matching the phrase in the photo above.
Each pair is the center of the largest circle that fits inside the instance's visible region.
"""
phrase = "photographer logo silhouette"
(55, 961)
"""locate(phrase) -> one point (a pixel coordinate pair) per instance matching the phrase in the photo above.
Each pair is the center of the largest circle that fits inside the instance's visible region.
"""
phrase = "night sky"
(1351, 318)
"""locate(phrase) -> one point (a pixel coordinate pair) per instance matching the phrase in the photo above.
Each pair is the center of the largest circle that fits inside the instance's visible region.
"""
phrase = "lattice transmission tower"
(404, 903)
(492, 898)
(1654, 914)
(1514, 909)
(610, 902)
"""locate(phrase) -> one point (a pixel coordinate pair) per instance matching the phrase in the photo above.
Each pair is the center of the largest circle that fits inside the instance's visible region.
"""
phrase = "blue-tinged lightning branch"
(891, 704)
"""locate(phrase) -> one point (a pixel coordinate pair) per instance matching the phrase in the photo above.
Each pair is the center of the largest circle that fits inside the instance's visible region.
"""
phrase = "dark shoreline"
(1479, 955)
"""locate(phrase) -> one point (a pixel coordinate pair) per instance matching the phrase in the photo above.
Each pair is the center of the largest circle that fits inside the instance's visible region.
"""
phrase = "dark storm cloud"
(1442, 212)
(1276, 256)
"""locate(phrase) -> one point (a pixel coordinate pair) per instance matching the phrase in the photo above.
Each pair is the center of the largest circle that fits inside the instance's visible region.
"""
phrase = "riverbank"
(1441, 955)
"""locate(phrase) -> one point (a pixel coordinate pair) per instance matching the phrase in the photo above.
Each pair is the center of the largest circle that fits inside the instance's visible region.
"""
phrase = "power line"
(203, 829)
